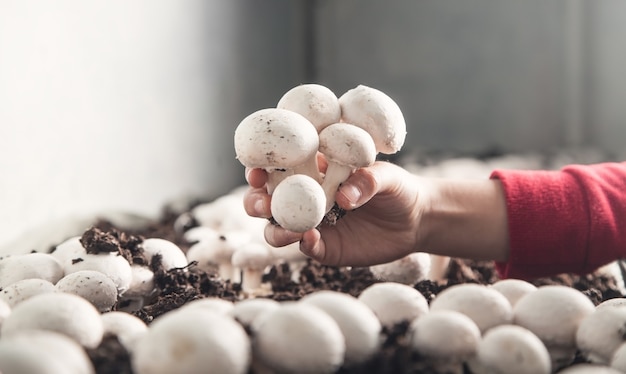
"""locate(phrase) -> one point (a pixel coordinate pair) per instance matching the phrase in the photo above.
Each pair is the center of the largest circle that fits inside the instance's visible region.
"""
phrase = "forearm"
(464, 218)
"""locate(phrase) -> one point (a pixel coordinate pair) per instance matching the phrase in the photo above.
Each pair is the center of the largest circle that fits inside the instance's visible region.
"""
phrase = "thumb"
(366, 182)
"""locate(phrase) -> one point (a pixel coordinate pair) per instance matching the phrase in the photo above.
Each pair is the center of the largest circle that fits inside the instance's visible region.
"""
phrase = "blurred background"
(126, 106)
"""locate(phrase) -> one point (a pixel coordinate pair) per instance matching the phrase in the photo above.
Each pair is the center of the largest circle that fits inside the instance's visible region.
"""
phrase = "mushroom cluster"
(308, 120)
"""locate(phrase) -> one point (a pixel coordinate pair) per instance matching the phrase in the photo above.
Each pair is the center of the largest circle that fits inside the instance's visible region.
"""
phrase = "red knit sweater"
(567, 221)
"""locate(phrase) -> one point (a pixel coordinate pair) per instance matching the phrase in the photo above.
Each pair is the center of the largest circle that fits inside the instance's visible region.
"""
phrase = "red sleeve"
(567, 221)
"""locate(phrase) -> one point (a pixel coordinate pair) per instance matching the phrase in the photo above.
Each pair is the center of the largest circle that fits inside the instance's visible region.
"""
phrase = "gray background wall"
(123, 106)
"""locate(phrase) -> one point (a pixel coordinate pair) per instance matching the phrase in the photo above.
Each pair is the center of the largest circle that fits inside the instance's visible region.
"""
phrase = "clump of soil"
(179, 286)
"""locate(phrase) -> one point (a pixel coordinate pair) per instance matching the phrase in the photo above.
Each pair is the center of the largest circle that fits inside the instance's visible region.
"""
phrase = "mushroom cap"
(394, 302)
(19, 291)
(275, 138)
(618, 361)
(298, 203)
(5, 311)
(171, 254)
(113, 265)
(246, 311)
(407, 270)
(445, 334)
(68, 250)
(513, 349)
(485, 306)
(31, 265)
(612, 303)
(213, 304)
(218, 249)
(358, 323)
(513, 289)
(601, 333)
(376, 113)
(553, 313)
(252, 255)
(315, 102)
(61, 312)
(190, 341)
(91, 285)
(142, 282)
(43, 352)
(586, 368)
(347, 145)
(298, 338)
(127, 327)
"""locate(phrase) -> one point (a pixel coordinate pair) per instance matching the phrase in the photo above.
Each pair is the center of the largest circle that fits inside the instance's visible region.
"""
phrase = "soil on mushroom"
(177, 287)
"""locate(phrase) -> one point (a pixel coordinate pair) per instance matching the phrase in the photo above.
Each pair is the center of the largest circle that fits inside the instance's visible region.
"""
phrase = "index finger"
(256, 178)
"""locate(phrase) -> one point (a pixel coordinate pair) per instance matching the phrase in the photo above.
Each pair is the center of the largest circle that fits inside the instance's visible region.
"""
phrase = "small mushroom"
(5, 311)
(298, 338)
(347, 148)
(213, 304)
(125, 326)
(280, 141)
(192, 341)
(587, 368)
(217, 251)
(113, 265)
(358, 323)
(43, 352)
(315, 102)
(298, 203)
(618, 360)
(92, 286)
(407, 270)
(513, 289)
(485, 306)
(31, 265)
(447, 337)
(378, 114)
(511, 349)
(601, 333)
(61, 312)
(253, 259)
(69, 250)
(19, 291)
(611, 303)
(394, 302)
(554, 313)
(171, 255)
(246, 311)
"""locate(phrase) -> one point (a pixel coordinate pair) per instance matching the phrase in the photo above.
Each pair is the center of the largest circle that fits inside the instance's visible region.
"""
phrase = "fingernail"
(352, 194)
(259, 207)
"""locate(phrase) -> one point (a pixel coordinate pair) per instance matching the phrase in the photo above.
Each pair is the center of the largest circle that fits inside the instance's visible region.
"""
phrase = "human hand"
(381, 224)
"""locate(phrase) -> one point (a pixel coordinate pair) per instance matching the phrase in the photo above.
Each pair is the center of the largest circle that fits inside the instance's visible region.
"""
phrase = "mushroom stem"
(226, 271)
(275, 176)
(251, 279)
(335, 175)
(310, 168)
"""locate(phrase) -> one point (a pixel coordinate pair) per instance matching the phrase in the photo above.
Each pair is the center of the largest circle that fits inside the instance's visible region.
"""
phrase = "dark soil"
(179, 286)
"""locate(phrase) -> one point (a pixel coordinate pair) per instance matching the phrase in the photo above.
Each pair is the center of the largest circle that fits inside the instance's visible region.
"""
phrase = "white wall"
(126, 105)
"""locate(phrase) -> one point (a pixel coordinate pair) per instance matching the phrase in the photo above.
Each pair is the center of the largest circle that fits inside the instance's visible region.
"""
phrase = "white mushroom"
(618, 360)
(217, 251)
(171, 255)
(553, 313)
(511, 349)
(298, 203)
(378, 114)
(611, 303)
(192, 341)
(298, 338)
(280, 141)
(358, 323)
(19, 291)
(513, 289)
(64, 313)
(113, 265)
(347, 148)
(91, 285)
(447, 337)
(407, 270)
(5, 311)
(246, 311)
(253, 258)
(42, 352)
(212, 304)
(125, 326)
(315, 102)
(69, 250)
(31, 265)
(485, 306)
(394, 302)
(141, 283)
(601, 333)
(586, 368)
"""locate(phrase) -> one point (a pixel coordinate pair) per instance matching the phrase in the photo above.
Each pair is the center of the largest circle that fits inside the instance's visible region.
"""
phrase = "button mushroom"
(125, 326)
(347, 148)
(378, 114)
(246, 311)
(19, 291)
(554, 313)
(253, 258)
(192, 341)
(298, 338)
(601, 333)
(280, 141)
(485, 306)
(394, 302)
(217, 251)
(407, 270)
(358, 323)
(513, 289)
(315, 102)
(298, 203)
(31, 265)
(92, 286)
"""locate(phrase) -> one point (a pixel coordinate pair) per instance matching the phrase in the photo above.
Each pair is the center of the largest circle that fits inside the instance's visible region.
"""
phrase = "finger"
(256, 202)
(322, 163)
(366, 182)
(279, 237)
(312, 245)
(256, 177)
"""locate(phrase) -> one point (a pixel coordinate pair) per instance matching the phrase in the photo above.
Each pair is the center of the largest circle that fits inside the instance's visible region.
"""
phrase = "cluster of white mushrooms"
(349, 131)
